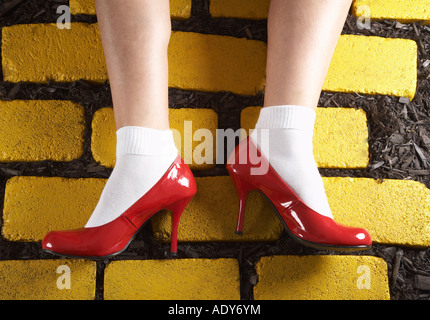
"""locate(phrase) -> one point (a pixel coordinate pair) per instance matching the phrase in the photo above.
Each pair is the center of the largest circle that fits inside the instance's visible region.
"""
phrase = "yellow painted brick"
(321, 277)
(247, 9)
(183, 279)
(82, 7)
(216, 63)
(103, 140)
(402, 10)
(33, 206)
(340, 136)
(42, 52)
(373, 65)
(212, 215)
(41, 130)
(103, 137)
(45, 280)
(185, 123)
(394, 212)
(179, 9)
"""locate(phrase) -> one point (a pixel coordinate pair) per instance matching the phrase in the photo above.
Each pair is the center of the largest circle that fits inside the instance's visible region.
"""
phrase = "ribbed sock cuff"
(144, 141)
(286, 117)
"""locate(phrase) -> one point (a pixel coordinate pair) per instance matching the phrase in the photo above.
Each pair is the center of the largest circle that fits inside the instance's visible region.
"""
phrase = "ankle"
(145, 141)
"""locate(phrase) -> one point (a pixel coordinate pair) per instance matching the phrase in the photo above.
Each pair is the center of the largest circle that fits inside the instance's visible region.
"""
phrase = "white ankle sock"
(290, 152)
(143, 156)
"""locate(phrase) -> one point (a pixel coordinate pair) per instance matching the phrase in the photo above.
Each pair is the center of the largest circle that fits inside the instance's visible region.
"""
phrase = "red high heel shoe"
(301, 222)
(172, 192)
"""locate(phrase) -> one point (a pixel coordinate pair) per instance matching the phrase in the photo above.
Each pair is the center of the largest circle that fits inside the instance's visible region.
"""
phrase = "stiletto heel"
(176, 208)
(242, 188)
(303, 224)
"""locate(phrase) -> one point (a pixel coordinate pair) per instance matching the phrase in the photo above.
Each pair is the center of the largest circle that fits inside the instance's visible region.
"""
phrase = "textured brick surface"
(35, 130)
(179, 9)
(199, 152)
(216, 63)
(360, 62)
(182, 279)
(321, 277)
(393, 211)
(47, 280)
(33, 206)
(183, 122)
(340, 136)
(247, 9)
(103, 137)
(82, 7)
(41, 52)
(403, 10)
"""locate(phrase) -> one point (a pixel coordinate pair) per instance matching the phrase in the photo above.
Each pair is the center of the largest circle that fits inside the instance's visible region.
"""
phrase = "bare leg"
(135, 36)
(302, 36)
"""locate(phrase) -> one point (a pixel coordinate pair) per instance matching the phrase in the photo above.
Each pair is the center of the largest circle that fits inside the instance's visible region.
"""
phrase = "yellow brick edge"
(198, 152)
(320, 277)
(179, 9)
(37, 130)
(206, 62)
(395, 212)
(216, 63)
(400, 10)
(340, 136)
(47, 279)
(42, 52)
(82, 7)
(180, 279)
(375, 65)
(33, 206)
(245, 9)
